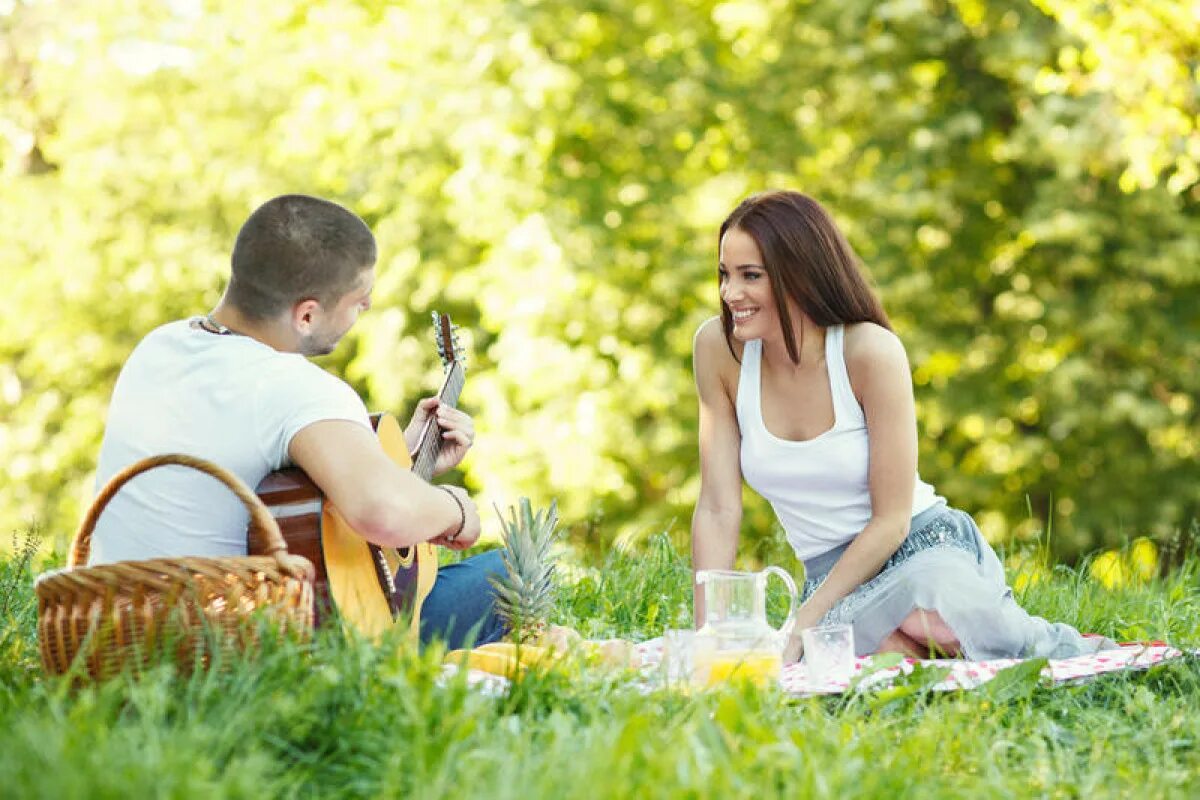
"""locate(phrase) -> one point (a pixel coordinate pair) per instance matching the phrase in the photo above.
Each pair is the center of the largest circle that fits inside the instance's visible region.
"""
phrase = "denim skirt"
(945, 565)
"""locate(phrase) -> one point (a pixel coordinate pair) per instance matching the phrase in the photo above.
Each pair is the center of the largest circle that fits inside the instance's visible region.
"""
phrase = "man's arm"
(386, 504)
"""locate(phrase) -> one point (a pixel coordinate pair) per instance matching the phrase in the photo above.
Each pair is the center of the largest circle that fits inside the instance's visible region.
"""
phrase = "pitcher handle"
(785, 630)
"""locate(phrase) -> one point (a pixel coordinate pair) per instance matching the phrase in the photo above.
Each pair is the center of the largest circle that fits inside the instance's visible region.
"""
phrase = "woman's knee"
(898, 642)
(928, 627)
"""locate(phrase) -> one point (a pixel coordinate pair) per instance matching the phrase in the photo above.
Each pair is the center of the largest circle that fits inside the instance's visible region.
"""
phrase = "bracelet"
(462, 522)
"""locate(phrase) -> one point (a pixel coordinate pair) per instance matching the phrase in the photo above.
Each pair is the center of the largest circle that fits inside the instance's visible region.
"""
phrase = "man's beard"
(318, 344)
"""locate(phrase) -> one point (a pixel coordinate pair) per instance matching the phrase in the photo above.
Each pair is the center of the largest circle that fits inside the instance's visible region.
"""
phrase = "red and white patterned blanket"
(963, 674)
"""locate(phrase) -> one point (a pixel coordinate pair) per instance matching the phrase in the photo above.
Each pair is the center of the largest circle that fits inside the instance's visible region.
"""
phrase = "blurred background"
(1020, 178)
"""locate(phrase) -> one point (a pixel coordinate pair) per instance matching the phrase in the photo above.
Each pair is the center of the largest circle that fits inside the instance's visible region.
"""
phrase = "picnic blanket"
(794, 679)
(963, 674)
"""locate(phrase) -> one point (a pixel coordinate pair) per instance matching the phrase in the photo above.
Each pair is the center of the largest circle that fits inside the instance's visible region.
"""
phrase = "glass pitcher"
(736, 642)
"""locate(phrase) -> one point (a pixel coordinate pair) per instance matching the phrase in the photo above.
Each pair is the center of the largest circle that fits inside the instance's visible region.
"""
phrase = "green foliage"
(1141, 57)
(1019, 176)
(634, 592)
(1015, 682)
(18, 608)
(342, 718)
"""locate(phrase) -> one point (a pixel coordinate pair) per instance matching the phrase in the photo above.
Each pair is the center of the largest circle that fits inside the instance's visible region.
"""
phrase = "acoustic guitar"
(370, 587)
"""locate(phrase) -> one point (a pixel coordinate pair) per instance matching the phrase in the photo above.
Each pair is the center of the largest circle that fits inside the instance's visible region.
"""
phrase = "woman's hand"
(457, 432)
(794, 649)
(806, 616)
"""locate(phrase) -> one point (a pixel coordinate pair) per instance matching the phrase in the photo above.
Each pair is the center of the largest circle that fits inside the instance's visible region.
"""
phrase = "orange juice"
(760, 667)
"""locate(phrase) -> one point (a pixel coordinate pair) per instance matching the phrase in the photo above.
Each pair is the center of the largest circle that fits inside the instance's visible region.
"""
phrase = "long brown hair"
(807, 259)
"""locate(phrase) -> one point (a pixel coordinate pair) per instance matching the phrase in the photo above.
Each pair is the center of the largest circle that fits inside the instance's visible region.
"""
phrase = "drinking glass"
(678, 655)
(829, 652)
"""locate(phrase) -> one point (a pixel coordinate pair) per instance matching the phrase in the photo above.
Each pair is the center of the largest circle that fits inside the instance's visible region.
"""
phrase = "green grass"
(339, 718)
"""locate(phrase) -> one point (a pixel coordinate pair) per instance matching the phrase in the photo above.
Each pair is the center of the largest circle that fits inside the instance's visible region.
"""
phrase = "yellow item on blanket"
(501, 658)
(528, 654)
(507, 659)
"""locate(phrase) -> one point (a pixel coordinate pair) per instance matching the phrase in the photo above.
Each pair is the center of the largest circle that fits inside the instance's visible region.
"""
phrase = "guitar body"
(349, 577)
(369, 586)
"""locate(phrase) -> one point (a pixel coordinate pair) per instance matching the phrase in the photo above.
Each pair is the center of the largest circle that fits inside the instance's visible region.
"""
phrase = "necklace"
(212, 326)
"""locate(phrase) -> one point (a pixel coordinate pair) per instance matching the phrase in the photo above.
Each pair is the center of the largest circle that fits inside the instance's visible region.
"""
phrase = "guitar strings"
(427, 457)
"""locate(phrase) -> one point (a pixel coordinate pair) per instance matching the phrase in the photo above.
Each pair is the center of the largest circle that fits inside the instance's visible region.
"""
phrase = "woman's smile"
(745, 286)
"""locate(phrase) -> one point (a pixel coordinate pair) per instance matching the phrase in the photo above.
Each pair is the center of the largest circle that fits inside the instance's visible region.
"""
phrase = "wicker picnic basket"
(101, 619)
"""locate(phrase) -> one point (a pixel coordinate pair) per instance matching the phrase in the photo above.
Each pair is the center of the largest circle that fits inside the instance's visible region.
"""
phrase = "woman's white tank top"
(818, 487)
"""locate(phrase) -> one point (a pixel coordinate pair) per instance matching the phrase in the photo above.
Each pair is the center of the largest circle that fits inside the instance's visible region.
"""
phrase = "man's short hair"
(293, 248)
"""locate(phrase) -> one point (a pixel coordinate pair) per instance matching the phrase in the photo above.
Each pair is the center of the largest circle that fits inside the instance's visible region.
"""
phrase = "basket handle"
(263, 527)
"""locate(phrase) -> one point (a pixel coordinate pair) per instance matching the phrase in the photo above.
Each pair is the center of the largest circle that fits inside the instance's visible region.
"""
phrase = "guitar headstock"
(445, 335)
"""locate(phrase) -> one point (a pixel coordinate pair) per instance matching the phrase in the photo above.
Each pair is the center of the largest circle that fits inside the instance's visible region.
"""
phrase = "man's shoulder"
(181, 353)
(158, 349)
(164, 334)
(297, 368)
(290, 379)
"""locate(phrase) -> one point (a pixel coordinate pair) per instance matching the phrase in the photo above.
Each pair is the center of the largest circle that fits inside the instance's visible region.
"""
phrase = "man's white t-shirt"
(230, 399)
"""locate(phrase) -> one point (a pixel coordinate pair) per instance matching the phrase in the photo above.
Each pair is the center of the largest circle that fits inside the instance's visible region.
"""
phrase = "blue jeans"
(460, 609)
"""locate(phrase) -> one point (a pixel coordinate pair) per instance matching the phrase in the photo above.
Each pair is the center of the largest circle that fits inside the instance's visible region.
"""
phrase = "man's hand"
(470, 530)
(457, 432)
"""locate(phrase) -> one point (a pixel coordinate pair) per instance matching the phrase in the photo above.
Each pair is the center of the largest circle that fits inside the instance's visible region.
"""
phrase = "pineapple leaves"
(525, 593)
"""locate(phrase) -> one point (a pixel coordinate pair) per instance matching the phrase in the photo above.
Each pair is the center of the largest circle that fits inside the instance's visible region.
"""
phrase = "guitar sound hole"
(404, 552)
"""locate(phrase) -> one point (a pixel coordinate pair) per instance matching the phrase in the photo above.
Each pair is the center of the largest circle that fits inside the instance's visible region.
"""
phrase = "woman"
(806, 392)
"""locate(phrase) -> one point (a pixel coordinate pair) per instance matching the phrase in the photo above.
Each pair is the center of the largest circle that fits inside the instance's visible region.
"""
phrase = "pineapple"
(525, 595)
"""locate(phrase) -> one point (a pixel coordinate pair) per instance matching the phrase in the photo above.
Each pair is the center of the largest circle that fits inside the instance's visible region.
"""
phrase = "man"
(235, 387)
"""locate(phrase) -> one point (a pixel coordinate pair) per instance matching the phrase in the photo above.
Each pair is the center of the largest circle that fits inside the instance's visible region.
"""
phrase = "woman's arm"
(879, 373)
(717, 519)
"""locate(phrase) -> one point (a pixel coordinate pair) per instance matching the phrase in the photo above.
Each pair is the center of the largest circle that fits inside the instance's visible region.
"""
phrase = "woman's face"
(746, 287)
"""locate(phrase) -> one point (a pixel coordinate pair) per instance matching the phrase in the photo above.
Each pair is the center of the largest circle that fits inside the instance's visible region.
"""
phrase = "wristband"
(462, 522)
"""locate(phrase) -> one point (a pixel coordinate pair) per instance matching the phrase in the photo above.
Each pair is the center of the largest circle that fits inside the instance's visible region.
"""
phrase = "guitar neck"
(424, 455)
